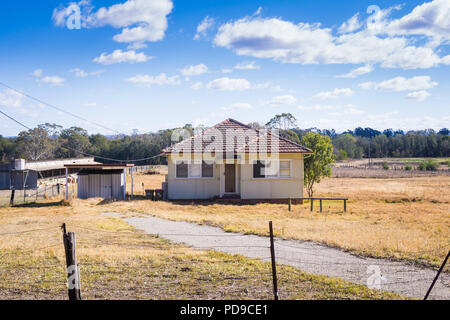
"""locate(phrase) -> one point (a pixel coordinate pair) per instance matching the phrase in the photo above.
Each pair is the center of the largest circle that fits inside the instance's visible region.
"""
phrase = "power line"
(81, 152)
(16, 121)
(59, 109)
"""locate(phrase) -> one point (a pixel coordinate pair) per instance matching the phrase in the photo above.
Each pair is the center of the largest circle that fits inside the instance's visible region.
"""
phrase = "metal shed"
(100, 180)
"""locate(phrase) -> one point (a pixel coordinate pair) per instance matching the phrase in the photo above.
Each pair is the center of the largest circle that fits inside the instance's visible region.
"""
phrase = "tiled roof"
(246, 139)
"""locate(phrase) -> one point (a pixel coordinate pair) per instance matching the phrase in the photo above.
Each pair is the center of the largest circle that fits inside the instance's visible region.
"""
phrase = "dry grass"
(395, 218)
(119, 262)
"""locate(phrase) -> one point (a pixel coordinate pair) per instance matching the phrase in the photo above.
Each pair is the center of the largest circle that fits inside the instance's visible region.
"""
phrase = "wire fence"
(52, 277)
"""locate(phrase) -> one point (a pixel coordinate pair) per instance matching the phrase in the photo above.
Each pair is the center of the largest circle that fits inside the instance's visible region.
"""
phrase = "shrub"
(342, 155)
(428, 165)
(408, 167)
(385, 166)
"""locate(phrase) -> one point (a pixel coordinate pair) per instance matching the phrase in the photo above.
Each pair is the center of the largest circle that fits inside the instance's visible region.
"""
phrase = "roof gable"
(245, 140)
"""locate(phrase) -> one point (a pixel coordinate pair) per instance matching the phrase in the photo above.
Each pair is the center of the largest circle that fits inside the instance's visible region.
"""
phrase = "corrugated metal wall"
(104, 186)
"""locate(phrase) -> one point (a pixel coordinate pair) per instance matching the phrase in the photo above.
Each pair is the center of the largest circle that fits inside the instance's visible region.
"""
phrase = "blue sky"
(150, 65)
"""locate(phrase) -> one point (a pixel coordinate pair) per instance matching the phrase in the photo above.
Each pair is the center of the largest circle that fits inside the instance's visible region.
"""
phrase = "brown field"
(396, 218)
(119, 262)
(405, 219)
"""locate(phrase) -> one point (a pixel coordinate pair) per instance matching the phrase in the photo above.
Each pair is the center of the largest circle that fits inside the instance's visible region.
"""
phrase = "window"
(285, 168)
(207, 169)
(272, 169)
(182, 170)
(195, 170)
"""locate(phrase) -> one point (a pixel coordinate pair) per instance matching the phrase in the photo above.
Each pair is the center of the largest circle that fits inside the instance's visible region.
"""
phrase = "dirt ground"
(392, 218)
(119, 262)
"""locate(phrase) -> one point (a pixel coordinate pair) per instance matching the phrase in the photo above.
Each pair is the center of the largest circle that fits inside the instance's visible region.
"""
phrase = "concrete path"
(310, 257)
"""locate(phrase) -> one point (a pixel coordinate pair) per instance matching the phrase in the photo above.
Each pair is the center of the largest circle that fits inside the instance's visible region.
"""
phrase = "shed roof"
(99, 166)
(242, 131)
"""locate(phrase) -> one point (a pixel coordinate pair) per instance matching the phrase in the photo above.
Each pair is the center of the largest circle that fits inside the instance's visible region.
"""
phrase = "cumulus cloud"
(203, 27)
(357, 72)
(418, 95)
(336, 93)
(227, 84)
(11, 98)
(140, 20)
(431, 19)
(306, 43)
(402, 84)
(247, 66)
(197, 85)
(350, 25)
(148, 81)
(119, 56)
(79, 72)
(53, 80)
(282, 100)
(194, 70)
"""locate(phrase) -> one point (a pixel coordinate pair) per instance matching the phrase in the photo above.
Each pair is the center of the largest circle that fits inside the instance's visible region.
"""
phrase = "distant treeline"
(367, 142)
(49, 141)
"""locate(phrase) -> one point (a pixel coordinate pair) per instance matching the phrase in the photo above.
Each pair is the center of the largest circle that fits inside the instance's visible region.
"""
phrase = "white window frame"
(290, 169)
(274, 177)
(189, 163)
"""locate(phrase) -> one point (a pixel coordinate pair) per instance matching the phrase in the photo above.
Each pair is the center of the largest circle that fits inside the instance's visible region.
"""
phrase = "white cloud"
(197, 86)
(194, 70)
(336, 93)
(79, 72)
(305, 43)
(350, 25)
(402, 84)
(357, 72)
(37, 73)
(282, 100)
(119, 56)
(140, 20)
(239, 106)
(418, 95)
(430, 18)
(11, 98)
(227, 84)
(53, 80)
(148, 81)
(203, 27)
(247, 66)
(227, 70)
(90, 104)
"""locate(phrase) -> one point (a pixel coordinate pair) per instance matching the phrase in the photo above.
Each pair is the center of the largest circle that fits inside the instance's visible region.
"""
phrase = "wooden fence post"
(11, 200)
(437, 276)
(274, 267)
(290, 205)
(73, 272)
(312, 204)
(320, 205)
(345, 205)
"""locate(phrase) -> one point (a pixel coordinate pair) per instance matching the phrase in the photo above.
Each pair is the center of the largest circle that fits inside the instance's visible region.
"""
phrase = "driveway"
(399, 277)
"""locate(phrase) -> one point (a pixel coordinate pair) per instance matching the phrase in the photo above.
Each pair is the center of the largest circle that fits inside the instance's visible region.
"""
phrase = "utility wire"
(81, 152)
(16, 121)
(59, 109)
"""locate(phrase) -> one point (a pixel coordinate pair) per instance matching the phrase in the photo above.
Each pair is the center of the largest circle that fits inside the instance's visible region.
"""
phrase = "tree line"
(49, 141)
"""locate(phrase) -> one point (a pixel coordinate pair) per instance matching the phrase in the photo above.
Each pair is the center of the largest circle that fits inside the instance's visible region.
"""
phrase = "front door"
(230, 178)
